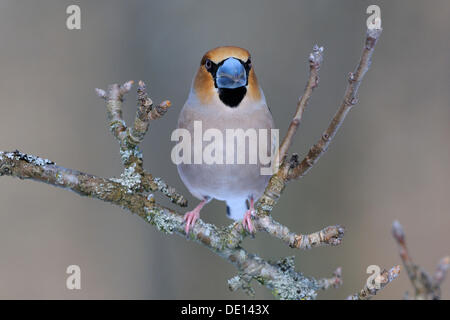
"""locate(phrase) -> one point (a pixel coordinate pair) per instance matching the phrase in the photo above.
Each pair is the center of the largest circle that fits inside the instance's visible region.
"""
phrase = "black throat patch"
(232, 97)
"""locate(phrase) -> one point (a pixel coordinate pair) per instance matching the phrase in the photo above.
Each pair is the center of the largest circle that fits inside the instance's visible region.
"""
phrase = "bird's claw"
(247, 221)
(190, 218)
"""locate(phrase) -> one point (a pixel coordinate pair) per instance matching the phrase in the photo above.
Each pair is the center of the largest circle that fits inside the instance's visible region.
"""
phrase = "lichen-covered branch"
(328, 236)
(128, 192)
(134, 176)
(132, 190)
(280, 277)
(145, 113)
(379, 282)
(425, 286)
(331, 235)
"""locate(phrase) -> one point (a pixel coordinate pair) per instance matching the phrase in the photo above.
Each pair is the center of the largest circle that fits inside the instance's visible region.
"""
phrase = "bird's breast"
(229, 147)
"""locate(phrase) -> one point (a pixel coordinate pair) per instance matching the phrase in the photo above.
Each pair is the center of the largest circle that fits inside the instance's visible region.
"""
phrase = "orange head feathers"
(227, 73)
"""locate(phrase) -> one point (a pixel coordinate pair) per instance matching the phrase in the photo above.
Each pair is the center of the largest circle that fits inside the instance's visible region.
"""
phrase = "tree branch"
(331, 235)
(293, 169)
(134, 176)
(315, 61)
(127, 192)
(279, 276)
(425, 286)
(132, 190)
(381, 281)
(350, 99)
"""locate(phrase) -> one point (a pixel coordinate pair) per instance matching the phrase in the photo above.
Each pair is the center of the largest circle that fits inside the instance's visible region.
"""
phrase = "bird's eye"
(208, 64)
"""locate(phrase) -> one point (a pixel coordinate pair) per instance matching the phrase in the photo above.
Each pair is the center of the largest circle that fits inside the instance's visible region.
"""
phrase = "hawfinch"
(225, 96)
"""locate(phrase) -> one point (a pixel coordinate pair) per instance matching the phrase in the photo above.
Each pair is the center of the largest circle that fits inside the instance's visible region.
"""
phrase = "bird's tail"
(236, 208)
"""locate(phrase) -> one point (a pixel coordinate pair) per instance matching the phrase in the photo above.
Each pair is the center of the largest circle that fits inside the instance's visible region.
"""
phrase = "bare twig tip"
(397, 231)
(315, 57)
(101, 93)
(441, 271)
(351, 76)
(166, 104)
(374, 32)
(393, 273)
(338, 277)
(141, 84)
(446, 261)
(126, 87)
(334, 235)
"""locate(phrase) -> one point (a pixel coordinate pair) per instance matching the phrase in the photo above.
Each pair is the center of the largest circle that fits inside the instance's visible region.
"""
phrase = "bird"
(225, 95)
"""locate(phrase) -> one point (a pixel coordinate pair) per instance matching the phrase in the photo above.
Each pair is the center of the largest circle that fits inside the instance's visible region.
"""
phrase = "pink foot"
(192, 216)
(247, 221)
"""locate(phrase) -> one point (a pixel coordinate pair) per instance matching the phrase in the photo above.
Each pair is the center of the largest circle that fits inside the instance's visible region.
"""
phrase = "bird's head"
(226, 73)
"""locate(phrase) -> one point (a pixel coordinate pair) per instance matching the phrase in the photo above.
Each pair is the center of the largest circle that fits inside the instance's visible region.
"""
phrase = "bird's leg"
(247, 221)
(191, 216)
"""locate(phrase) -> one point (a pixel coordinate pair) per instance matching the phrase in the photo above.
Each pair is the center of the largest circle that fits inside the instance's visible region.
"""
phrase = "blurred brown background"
(391, 159)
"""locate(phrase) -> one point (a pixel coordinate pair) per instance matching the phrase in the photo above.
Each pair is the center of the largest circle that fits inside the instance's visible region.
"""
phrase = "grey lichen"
(241, 281)
(285, 282)
(104, 188)
(162, 186)
(17, 155)
(170, 192)
(115, 124)
(292, 285)
(162, 222)
(126, 153)
(151, 197)
(129, 179)
(59, 178)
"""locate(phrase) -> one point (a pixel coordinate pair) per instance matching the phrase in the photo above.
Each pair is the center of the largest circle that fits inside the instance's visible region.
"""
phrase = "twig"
(331, 235)
(425, 286)
(134, 175)
(145, 113)
(439, 276)
(315, 61)
(381, 281)
(334, 282)
(278, 180)
(350, 99)
(292, 169)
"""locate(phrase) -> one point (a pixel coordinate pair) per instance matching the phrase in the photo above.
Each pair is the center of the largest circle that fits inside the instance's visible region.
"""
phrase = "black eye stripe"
(214, 66)
(212, 69)
(247, 64)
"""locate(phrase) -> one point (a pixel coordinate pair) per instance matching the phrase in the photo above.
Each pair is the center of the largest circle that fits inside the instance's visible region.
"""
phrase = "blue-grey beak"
(231, 74)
